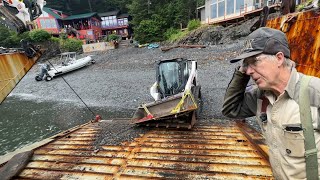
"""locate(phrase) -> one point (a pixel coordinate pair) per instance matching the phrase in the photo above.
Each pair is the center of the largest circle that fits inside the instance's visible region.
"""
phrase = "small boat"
(69, 63)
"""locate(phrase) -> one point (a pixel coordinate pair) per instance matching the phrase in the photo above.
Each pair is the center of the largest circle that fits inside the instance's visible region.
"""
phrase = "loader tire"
(196, 91)
(48, 78)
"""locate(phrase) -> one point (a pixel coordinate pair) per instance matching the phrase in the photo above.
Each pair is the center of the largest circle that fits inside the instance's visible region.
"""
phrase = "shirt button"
(288, 151)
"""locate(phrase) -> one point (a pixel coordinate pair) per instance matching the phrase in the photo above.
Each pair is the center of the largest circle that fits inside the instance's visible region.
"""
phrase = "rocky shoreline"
(121, 78)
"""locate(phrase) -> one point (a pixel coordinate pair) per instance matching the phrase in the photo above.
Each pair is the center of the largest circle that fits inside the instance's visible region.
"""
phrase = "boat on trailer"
(69, 63)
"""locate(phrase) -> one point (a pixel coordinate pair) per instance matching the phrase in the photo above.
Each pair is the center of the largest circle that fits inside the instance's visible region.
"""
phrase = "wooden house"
(114, 22)
(87, 26)
(51, 20)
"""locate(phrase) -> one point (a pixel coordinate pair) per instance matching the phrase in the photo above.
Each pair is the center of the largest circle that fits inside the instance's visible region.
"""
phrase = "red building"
(88, 26)
(51, 20)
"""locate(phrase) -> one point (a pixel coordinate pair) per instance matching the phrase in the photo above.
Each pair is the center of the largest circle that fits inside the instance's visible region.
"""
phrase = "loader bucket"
(175, 111)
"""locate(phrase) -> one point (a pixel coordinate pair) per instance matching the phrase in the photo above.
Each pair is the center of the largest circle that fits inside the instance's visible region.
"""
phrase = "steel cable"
(74, 92)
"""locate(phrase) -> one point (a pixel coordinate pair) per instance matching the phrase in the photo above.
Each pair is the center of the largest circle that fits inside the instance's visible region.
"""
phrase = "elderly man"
(291, 131)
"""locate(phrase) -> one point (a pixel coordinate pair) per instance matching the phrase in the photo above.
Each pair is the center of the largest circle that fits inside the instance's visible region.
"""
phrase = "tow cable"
(96, 116)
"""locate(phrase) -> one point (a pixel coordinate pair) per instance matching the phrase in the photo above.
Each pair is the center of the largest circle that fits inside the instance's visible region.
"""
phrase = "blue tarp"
(153, 46)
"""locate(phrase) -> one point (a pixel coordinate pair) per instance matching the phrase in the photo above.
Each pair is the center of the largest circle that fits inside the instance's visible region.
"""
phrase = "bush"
(112, 37)
(148, 31)
(71, 45)
(12, 41)
(170, 32)
(25, 36)
(55, 39)
(39, 35)
(177, 36)
(194, 24)
(63, 36)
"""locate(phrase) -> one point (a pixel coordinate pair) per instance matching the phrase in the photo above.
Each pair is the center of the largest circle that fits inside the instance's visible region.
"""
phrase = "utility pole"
(90, 5)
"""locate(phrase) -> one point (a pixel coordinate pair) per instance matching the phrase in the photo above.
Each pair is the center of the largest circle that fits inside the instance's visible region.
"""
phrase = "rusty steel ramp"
(221, 150)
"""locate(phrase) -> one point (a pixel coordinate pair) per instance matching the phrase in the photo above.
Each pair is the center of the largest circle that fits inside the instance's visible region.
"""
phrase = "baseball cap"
(264, 40)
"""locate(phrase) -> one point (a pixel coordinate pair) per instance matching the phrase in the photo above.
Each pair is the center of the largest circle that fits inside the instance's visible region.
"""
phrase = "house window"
(230, 7)
(114, 22)
(239, 5)
(214, 9)
(109, 21)
(120, 22)
(221, 8)
(89, 32)
(48, 23)
(53, 23)
(125, 21)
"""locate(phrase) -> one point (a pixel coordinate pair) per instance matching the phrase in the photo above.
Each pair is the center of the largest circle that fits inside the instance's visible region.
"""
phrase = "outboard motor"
(44, 68)
(29, 49)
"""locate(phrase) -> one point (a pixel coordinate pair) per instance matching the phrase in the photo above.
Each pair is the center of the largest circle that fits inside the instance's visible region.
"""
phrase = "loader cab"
(172, 76)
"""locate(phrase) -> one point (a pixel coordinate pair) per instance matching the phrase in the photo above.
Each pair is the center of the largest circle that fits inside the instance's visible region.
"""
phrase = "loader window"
(173, 77)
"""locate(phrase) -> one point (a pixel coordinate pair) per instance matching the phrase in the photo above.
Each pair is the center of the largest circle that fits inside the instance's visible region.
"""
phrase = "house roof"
(82, 16)
(50, 11)
(123, 15)
(110, 13)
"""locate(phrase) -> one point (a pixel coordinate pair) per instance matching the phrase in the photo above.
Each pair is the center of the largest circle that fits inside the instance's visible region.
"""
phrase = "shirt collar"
(290, 88)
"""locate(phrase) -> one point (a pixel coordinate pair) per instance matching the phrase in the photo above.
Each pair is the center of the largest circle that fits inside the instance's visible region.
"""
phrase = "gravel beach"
(120, 79)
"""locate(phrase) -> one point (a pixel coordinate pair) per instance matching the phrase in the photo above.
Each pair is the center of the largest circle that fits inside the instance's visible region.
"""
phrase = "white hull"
(71, 66)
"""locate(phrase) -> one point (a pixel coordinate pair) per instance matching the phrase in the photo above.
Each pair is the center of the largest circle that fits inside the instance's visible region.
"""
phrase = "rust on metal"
(13, 66)
(220, 150)
(303, 32)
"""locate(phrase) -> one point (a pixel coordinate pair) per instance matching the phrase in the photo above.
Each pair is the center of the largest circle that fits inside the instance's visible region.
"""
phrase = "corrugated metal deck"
(227, 150)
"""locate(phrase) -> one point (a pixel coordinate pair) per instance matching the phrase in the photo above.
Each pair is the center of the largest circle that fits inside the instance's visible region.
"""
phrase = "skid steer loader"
(177, 96)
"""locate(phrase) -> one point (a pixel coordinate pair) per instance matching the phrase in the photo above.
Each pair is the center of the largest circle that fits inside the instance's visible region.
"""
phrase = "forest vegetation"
(152, 20)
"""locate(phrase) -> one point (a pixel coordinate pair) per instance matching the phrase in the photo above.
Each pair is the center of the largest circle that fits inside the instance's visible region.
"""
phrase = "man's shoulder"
(314, 90)
(315, 83)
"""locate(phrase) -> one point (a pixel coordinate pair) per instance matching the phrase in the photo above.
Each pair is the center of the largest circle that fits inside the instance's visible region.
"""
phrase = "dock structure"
(220, 150)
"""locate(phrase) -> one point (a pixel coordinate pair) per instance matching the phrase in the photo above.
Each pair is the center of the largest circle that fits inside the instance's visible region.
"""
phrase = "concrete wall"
(102, 46)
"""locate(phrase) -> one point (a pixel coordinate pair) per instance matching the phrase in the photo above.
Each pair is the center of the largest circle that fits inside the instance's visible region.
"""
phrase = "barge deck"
(220, 150)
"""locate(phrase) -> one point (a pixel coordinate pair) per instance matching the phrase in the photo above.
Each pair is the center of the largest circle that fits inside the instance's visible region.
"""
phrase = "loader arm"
(17, 14)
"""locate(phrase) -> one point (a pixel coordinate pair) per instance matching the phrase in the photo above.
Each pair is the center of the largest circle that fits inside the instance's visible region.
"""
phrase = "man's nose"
(249, 70)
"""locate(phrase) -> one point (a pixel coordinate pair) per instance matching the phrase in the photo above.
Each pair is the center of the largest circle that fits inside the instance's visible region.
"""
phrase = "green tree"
(148, 31)
(85, 6)
(11, 39)
(158, 16)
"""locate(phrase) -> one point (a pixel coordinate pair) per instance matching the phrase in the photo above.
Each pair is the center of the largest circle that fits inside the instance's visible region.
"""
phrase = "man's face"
(263, 69)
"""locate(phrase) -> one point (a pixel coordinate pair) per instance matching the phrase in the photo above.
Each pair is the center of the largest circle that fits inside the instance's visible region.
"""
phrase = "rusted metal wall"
(220, 150)
(13, 66)
(304, 39)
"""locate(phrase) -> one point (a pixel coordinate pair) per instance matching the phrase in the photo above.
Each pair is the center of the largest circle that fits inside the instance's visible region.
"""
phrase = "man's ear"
(280, 58)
